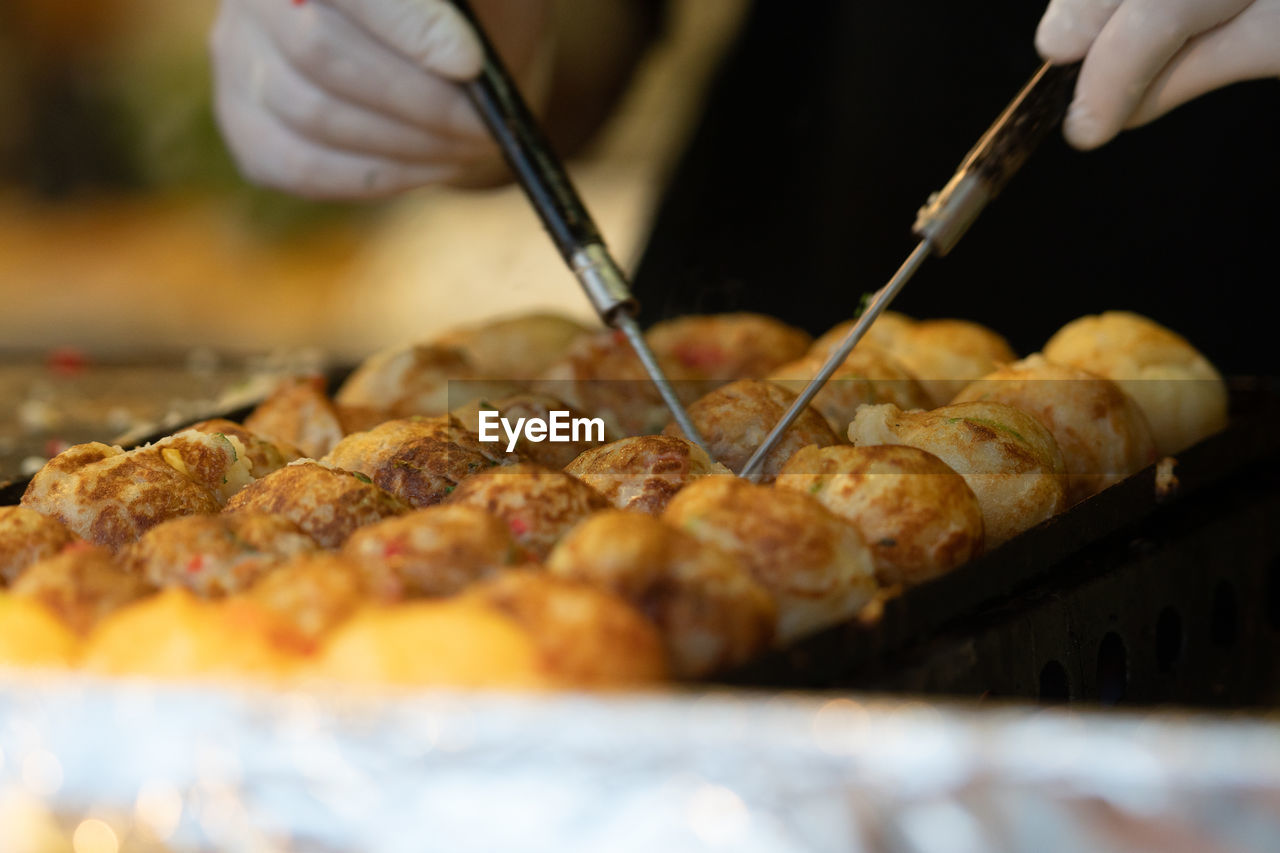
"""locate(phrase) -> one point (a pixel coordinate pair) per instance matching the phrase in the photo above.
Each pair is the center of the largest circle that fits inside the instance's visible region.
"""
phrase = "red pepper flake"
(518, 526)
(299, 2)
(66, 361)
(619, 336)
(697, 354)
(394, 548)
(195, 564)
(76, 546)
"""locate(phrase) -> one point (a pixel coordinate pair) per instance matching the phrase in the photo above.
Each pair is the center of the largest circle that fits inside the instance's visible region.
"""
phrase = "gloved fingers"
(1069, 28)
(1134, 45)
(432, 34)
(269, 153)
(1245, 48)
(269, 81)
(341, 57)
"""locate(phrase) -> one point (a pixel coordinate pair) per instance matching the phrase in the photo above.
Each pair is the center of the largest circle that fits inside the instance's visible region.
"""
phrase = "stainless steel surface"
(604, 283)
(948, 214)
(627, 323)
(878, 304)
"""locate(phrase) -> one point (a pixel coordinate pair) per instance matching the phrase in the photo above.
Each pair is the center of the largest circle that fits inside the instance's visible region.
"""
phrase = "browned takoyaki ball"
(582, 636)
(601, 376)
(884, 334)
(431, 552)
(725, 347)
(537, 504)
(218, 462)
(110, 497)
(216, 555)
(1179, 391)
(516, 348)
(868, 375)
(299, 414)
(919, 518)
(419, 460)
(1005, 455)
(644, 472)
(304, 599)
(265, 455)
(417, 380)
(735, 419)
(712, 613)
(1101, 432)
(946, 355)
(81, 584)
(27, 536)
(552, 454)
(816, 566)
(327, 503)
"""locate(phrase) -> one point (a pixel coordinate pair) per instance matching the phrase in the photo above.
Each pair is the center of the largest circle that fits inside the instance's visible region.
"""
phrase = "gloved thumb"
(432, 34)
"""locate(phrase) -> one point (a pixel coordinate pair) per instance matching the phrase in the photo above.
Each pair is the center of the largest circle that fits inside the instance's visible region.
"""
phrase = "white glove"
(1142, 58)
(355, 98)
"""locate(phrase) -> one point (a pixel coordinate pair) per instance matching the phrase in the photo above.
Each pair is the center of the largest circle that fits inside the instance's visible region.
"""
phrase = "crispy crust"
(644, 473)
(27, 536)
(725, 347)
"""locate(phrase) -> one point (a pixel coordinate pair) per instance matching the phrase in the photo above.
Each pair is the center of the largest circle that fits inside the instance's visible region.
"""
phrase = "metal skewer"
(549, 188)
(945, 218)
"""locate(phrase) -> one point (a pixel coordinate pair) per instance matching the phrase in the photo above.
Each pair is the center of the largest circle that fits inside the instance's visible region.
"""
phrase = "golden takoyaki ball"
(80, 585)
(537, 504)
(735, 418)
(300, 602)
(816, 566)
(431, 552)
(712, 613)
(884, 334)
(516, 348)
(602, 377)
(265, 455)
(32, 636)
(327, 503)
(868, 375)
(919, 518)
(417, 380)
(419, 460)
(218, 462)
(1180, 392)
(552, 454)
(1005, 455)
(1100, 430)
(583, 636)
(27, 536)
(216, 555)
(725, 347)
(299, 414)
(644, 472)
(175, 635)
(946, 355)
(110, 497)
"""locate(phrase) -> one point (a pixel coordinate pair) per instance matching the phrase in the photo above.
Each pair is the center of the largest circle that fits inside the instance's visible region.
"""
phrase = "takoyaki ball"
(1009, 460)
(216, 555)
(80, 585)
(735, 419)
(946, 355)
(1180, 392)
(868, 375)
(725, 347)
(27, 536)
(417, 380)
(110, 497)
(1101, 432)
(265, 455)
(537, 504)
(516, 348)
(644, 472)
(919, 518)
(552, 454)
(582, 636)
(431, 552)
(601, 376)
(299, 414)
(327, 503)
(217, 461)
(816, 566)
(884, 334)
(303, 600)
(419, 460)
(712, 613)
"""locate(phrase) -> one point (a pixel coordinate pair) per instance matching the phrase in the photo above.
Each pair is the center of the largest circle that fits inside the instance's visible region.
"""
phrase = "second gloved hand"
(1142, 58)
(358, 98)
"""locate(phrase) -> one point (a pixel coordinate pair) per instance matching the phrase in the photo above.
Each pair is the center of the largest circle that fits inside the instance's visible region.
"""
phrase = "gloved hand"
(1142, 58)
(358, 98)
